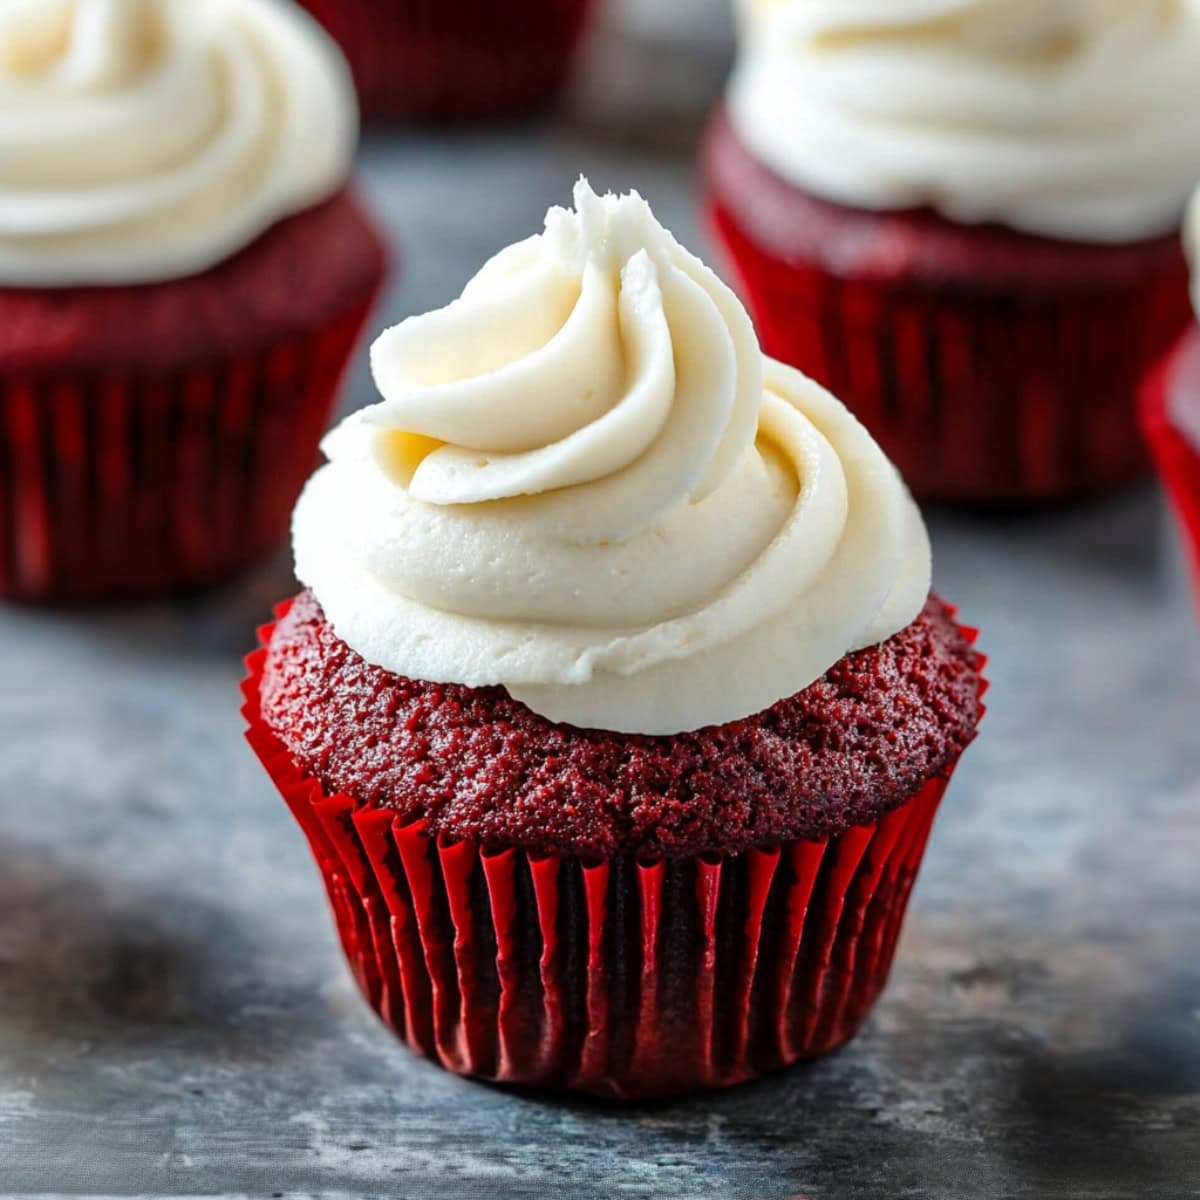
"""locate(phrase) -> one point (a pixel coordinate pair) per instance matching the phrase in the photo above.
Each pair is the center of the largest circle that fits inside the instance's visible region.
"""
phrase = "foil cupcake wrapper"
(623, 978)
(1175, 455)
(455, 59)
(979, 396)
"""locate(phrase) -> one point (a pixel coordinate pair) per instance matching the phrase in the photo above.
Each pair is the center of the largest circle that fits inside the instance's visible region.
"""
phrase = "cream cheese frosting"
(1067, 118)
(585, 483)
(144, 140)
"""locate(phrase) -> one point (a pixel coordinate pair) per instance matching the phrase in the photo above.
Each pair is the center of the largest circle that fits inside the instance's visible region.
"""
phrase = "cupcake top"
(1068, 118)
(144, 140)
(475, 765)
(586, 484)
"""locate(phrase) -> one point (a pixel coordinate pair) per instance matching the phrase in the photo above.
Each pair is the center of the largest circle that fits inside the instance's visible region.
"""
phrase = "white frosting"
(582, 484)
(143, 140)
(1070, 118)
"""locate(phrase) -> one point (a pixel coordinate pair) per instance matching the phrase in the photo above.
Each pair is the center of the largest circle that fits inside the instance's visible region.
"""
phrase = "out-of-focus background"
(175, 1016)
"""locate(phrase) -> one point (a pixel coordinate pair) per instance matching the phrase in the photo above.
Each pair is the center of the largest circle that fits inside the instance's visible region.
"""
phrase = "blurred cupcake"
(455, 59)
(962, 216)
(616, 708)
(183, 276)
(1171, 412)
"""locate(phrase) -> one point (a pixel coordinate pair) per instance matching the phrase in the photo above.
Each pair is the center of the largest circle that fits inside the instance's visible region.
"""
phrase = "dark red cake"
(154, 438)
(993, 367)
(476, 764)
(632, 916)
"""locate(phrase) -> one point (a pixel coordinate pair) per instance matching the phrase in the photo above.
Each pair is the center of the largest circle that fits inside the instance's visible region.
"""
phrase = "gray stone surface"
(175, 1018)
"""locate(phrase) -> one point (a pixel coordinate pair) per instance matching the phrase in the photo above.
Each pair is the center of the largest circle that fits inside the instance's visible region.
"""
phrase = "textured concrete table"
(175, 1017)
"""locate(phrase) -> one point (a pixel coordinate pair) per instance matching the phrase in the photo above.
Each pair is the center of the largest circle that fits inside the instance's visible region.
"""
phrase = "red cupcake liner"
(978, 393)
(125, 485)
(1175, 454)
(455, 59)
(624, 978)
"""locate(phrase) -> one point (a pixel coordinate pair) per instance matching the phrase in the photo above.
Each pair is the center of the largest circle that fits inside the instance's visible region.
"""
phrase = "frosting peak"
(584, 483)
(1071, 118)
(143, 140)
(599, 363)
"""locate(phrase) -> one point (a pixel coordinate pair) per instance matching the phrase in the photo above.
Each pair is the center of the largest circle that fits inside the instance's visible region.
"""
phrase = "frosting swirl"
(143, 140)
(582, 484)
(1071, 118)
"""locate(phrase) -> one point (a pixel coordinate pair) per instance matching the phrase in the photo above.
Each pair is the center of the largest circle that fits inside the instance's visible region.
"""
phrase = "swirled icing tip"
(149, 140)
(607, 228)
(592, 212)
(562, 362)
(98, 45)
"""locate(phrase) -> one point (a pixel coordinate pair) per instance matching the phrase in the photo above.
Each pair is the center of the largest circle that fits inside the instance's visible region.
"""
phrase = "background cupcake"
(1171, 412)
(950, 212)
(616, 709)
(182, 277)
(455, 59)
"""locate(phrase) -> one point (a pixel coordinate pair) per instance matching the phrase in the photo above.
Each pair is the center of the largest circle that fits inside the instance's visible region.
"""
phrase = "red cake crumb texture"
(478, 765)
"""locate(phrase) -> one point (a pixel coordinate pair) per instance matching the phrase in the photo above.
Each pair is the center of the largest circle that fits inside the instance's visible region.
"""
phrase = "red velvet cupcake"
(183, 277)
(455, 59)
(616, 709)
(1171, 417)
(983, 267)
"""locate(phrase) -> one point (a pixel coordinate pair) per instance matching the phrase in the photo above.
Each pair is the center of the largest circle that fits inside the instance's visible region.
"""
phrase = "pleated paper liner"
(623, 978)
(171, 476)
(1176, 456)
(977, 394)
(455, 59)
